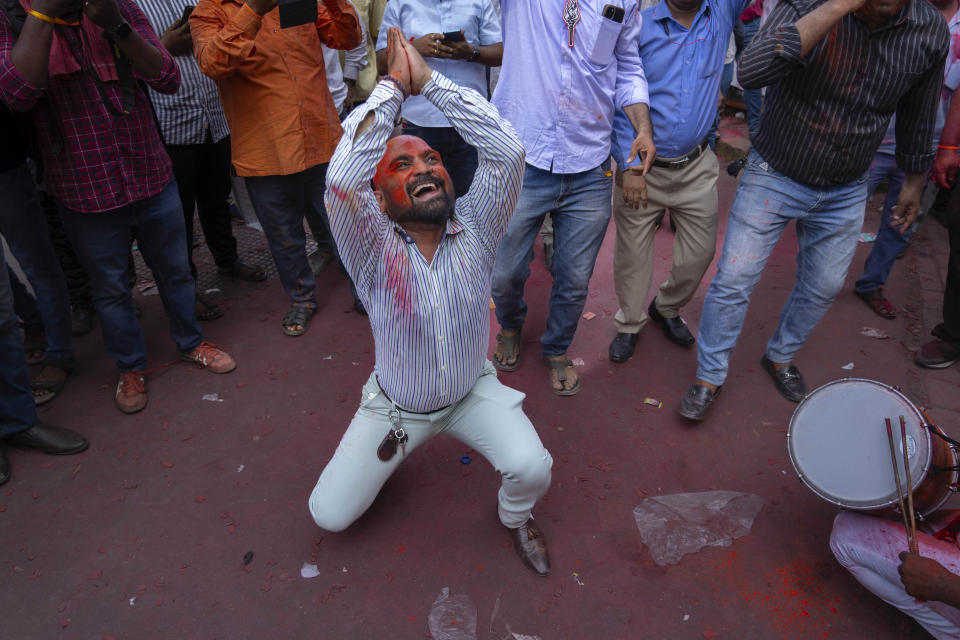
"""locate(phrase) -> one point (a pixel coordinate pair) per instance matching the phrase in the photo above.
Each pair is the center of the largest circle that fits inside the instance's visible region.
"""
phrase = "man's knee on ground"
(328, 515)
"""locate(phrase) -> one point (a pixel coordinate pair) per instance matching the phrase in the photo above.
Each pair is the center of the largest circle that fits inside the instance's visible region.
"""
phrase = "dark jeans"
(889, 241)
(102, 241)
(78, 284)
(24, 304)
(280, 203)
(202, 172)
(21, 223)
(459, 158)
(949, 329)
(17, 410)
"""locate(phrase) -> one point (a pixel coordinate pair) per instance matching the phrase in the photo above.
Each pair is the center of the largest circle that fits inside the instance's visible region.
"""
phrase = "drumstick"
(914, 547)
(896, 477)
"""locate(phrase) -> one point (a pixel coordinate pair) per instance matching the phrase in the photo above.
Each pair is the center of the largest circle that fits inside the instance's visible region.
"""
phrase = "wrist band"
(948, 147)
(46, 18)
(396, 82)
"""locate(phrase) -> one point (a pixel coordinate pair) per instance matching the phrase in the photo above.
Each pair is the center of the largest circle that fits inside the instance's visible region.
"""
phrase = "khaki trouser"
(691, 195)
(490, 420)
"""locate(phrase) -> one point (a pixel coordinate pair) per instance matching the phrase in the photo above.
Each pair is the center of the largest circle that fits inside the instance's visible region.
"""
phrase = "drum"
(838, 445)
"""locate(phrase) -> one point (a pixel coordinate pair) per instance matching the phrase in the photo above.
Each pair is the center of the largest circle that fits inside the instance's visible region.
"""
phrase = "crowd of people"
(376, 124)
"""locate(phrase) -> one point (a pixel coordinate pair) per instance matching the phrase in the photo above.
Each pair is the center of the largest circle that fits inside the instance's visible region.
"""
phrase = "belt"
(418, 413)
(680, 163)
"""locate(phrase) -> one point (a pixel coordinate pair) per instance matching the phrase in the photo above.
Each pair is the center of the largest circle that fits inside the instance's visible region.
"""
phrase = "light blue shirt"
(683, 68)
(416, 18)
(561, 99)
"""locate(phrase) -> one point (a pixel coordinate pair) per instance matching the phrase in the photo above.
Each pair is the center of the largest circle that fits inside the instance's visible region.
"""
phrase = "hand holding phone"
(453, 36)
(187, 10)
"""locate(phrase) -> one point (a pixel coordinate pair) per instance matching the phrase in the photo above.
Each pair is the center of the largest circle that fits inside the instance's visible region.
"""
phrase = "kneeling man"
(422, 263)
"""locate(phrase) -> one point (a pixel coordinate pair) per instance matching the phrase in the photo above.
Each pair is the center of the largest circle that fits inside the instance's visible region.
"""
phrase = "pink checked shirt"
(94, 160)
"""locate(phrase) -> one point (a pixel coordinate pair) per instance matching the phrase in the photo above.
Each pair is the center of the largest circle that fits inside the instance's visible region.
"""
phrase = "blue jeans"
(579, 204)
(889, 242)
(280, 203)
(22, 224)
(17, 409)
(102, 241)
(828, 226)
(459, 158)
(752, 97)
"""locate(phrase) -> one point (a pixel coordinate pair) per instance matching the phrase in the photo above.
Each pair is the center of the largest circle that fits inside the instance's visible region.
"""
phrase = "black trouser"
(949, 329)
(202, 172)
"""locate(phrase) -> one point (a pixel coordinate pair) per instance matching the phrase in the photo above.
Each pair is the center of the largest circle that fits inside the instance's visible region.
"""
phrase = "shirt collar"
(454, 226)
(662, 12)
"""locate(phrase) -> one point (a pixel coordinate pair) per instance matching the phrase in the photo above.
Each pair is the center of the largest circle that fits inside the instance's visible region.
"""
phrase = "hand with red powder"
(419, 71)
(398, 64)
(927, 579)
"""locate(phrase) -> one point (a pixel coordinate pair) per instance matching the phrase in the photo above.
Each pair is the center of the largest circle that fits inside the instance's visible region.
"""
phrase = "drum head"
(838, 442)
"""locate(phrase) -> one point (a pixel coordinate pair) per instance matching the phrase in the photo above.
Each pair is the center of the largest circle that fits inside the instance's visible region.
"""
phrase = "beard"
(438, 211)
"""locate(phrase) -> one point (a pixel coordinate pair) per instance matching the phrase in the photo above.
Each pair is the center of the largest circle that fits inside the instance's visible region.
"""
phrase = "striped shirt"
(187, 115)
(825, 113)
(430, 321)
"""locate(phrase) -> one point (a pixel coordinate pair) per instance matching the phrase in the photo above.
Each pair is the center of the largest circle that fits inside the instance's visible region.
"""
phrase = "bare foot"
(501, 355)
(572, 379)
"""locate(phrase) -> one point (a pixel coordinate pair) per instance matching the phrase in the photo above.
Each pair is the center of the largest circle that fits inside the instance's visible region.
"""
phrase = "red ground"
(144, 535)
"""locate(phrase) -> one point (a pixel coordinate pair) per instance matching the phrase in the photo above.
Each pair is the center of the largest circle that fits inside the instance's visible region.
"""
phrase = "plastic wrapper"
(676, 525)
(453, 617)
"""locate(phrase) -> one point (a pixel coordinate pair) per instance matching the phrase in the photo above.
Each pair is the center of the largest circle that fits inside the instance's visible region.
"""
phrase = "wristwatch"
(476, 54)
(120, 32)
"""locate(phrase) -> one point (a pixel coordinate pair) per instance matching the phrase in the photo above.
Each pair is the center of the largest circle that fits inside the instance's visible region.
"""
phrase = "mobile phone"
(613, 12)
(453, 36)
(187, 10)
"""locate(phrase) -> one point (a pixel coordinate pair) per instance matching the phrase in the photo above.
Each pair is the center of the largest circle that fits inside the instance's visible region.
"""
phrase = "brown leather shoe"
(210, 357)
(531, 546)
(131, 392)
(49, 439)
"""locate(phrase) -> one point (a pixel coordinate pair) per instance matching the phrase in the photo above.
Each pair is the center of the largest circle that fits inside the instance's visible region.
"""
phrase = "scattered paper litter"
(578, 362)
(653, 402)
(867, 237)
(576, 578)
(870, 332)
(848, 366)
(240, 468)
(589, 315)
(686, 617)
(212, 397)
(328, 357)
(212, 290)
(132, 600)
(453, 617)
(309, 571)
(676, 525)
(500, 628)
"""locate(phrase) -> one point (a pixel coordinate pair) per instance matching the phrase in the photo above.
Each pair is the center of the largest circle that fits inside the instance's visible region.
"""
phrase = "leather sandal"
(295, 316)
(46, 390)
(509, 343)
(560, 366)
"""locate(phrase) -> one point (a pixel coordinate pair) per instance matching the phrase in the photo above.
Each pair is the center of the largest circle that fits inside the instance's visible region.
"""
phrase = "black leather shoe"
(621, 347)
(675, 328)
(49, 439)
(4, 467)
(696, 401)
(788, 380)
(531, 546)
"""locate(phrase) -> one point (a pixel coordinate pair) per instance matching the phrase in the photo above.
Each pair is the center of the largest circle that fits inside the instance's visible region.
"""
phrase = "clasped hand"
(405, 64)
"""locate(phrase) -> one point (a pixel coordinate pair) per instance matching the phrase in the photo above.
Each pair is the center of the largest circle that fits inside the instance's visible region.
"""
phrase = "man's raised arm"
(356, 221)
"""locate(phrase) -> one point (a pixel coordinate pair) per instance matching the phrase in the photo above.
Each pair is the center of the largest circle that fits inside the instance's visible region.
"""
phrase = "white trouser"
(490, 420)
(869, 547)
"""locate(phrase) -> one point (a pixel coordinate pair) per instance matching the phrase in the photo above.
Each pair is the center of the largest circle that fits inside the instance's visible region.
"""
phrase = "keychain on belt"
(394, 438)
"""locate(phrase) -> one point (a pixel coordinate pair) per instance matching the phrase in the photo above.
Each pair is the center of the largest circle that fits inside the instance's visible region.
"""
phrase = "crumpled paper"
(676, 525)
(453, 617)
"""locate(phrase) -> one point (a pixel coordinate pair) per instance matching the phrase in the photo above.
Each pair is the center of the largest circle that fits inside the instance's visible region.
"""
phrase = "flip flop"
(205, 309)
(297, 315)
(48, 389)
(560, 366)
(508, 342)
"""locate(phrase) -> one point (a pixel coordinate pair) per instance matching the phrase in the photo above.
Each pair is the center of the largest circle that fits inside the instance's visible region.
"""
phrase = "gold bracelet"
(46, 18)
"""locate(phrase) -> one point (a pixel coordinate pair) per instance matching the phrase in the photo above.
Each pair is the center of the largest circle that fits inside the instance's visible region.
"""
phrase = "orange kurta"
(272, 81)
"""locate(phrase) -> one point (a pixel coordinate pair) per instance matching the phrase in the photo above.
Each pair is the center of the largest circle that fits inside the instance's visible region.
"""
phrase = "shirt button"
(440, 338)
(443, 367)
(436, 306)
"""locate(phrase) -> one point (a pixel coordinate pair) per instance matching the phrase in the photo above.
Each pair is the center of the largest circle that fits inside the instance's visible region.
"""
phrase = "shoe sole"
(939, 365)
